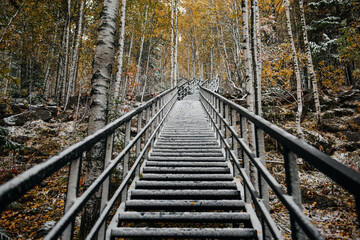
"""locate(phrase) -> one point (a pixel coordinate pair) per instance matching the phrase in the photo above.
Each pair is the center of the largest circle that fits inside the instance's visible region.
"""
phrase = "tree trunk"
(121, 51)
(129, 63)
(176, 43)
(138, 70)
(75, 56)
(297, 71)
(310, 66)
(103, 65)
(172, 45)
(66, 59)
(146, 72)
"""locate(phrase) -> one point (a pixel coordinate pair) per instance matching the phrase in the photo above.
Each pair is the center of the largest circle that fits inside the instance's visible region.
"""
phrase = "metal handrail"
(17, 187)
(349, 179)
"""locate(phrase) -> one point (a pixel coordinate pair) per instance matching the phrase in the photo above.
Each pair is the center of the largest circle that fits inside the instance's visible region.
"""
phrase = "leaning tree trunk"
(310, 65)
(121, 51)
(103, 65)
(297, 71)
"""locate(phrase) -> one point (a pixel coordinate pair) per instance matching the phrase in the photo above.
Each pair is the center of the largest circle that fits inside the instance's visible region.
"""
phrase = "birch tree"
(75, 56)
(309, 63)
(297, 71)
(138, 71)
(121, 51)
(66, 58)
(176, 42)
(172, 77)
(103, 64)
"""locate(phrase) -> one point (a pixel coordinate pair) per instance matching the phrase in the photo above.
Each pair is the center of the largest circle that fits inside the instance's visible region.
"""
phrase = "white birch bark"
(176, 43)
(103, 65)
(297, 71)
(10, 21)
(146, 72)
(248, 65)
(121, 51)
(172, 45)
(309, 64)
(138, 71)
(66, 59)
(75, 56)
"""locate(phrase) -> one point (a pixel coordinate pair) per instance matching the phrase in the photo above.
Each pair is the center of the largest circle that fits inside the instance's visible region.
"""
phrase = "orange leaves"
(329, 76)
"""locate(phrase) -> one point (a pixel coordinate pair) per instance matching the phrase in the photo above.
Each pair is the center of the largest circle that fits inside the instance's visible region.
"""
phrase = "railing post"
(147, 131)
(158, 119)
(226, 128)
(153, 124)
(71, 194)
(138, 142)
(263, 186)
(221, 125)
(293, 188)
(216, 117)
(246, 160)
(126, 157)
(106, 184)
(233, 140)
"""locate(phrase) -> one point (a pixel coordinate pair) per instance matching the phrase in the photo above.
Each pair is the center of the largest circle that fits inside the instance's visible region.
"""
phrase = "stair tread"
(188, 216)
(185, 164)
(185, 204)
(199, 170)
(186, 184)
(187, 177)
(185, 232)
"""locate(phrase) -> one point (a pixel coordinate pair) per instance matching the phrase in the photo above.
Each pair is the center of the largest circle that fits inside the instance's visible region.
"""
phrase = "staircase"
(186, 188)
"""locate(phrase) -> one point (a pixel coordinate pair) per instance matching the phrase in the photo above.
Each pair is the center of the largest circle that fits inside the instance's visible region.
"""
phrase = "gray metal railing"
(155, 112)
(232, 134)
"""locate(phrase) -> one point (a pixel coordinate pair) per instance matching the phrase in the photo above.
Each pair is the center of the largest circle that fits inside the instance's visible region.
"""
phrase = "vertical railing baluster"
(106, 184)
(246, 160)
(138, 142)
(227, 137)
(153, 123)
(263, 186)
(216, 117)
(71, 194)
(221, 111)
(293, 188)
(126, 157)
(147, 131)
(233, 140)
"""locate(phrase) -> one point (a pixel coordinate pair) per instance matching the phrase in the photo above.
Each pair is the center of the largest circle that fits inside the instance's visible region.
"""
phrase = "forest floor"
(328, 206)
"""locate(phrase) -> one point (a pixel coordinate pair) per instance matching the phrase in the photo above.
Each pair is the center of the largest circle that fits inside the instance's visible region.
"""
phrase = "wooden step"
(193, 170)
(187, 177)
(191, 159)
(185, 194)
(185, 185)
(201, 217)
(187, 205)
(205, 233)
(185, 164)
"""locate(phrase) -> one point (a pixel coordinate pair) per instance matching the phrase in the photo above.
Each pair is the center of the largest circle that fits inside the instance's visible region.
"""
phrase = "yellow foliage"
(330, 77)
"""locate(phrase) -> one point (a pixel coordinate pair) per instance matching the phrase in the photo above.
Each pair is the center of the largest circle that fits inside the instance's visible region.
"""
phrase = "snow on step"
(234, 217)
(225, 233)
(178, 205)
(185, 185)
(185, 179)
